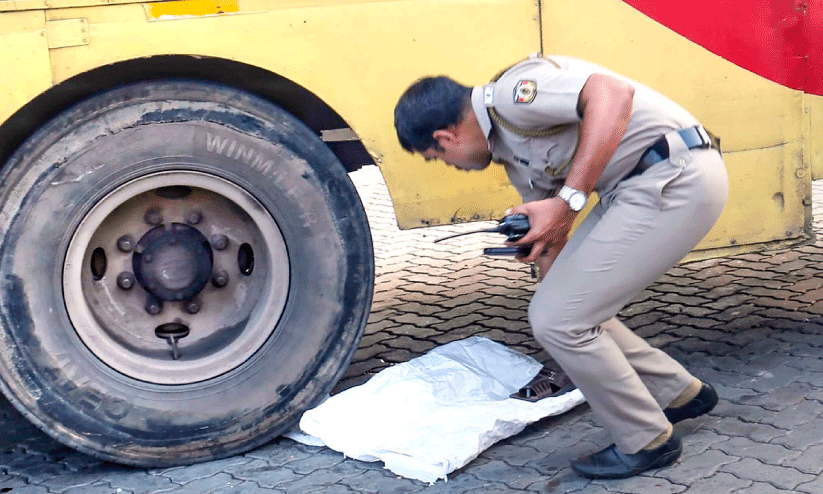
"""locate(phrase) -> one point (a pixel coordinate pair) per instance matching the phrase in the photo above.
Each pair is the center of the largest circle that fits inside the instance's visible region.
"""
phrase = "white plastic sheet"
(434, 414)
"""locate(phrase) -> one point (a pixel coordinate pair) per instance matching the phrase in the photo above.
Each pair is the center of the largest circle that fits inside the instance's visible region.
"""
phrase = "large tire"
(262, 292)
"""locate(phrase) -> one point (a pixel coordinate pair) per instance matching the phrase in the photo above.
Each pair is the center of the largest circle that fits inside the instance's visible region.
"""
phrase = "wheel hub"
(176, 285)
(173, 263)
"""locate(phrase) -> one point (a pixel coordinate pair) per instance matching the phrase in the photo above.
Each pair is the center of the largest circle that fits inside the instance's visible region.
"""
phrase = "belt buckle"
(704, 136)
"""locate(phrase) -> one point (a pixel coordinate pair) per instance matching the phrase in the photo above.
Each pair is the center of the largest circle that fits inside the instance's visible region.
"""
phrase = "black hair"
(431, 103)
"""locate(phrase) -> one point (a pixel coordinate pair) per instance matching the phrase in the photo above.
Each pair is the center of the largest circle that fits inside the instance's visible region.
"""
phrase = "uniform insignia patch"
(488, 95)
(525, 91)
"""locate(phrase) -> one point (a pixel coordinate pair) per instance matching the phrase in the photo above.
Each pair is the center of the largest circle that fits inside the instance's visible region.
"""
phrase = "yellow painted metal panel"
(761, 124)
(12, 5)
(359, 56)
(765, 198)
(24, 58)
(814, 115)
(359, 67)
(67, 32)
(15, 5)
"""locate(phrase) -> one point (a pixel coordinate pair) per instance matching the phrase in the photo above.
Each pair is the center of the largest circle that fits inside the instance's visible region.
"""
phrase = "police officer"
(562, 128)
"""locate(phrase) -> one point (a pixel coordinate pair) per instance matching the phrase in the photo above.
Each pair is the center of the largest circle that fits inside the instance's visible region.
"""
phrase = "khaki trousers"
(637, 232)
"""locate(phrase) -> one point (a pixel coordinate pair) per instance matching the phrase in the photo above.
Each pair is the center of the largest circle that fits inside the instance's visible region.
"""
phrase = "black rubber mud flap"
(113, 386)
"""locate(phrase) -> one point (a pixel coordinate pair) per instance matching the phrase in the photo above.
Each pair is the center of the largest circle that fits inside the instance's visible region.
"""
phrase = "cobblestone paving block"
(730, 394)
(770, 380)
(416, 332)
(733, 427)
(773, 454)
(321, 459)
(721, 483)
(566, 480)
(808, 461)
(696, 437)
(265, 474)
(100, 488)
(318, 479)
(11, 483)
(511, 454)
(643, 484)
(220, 483)
(781, 477)
(381, 481)
(780, 398)
(35, 468)
(813, 487)
(184, 475)
(138, 482)
(504, 490)
(589, 489)
(654, 329)
(561, 459)
(279, 452)
(764, 488)
(415, 345)
(795, 416)
(63, 483)
(764, 347)
(550, 436)
(515, 477)
(459, 483)
(693, 467)
(802, 436)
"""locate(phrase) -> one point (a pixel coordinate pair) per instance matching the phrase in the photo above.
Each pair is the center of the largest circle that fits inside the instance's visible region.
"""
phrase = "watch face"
(577, 201)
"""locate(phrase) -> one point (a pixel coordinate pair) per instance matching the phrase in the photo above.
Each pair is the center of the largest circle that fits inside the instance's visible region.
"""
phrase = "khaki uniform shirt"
(543, 92)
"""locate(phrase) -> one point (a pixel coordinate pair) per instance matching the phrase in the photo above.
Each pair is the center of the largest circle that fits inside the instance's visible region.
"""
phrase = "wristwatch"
(575, 198)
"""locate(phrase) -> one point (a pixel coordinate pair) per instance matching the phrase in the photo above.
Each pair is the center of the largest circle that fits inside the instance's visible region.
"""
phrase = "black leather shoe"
(612, 464)
(705, 400)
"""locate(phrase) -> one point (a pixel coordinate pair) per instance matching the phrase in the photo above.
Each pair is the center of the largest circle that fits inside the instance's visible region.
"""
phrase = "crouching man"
(563, 128)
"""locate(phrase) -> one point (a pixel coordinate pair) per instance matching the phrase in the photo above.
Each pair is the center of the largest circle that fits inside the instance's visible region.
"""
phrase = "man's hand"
(544, 262)
(550, 222)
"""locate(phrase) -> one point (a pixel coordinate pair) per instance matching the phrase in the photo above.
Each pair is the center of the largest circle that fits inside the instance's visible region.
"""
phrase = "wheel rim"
(176, 284)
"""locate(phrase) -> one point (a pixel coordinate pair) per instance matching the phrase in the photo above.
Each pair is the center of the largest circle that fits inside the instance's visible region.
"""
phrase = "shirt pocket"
(552, 155)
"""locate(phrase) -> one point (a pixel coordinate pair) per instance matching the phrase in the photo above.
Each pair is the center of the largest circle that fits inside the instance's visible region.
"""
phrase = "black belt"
(693, 137)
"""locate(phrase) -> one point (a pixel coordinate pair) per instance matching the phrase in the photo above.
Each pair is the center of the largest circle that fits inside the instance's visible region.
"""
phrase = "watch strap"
(567, 193)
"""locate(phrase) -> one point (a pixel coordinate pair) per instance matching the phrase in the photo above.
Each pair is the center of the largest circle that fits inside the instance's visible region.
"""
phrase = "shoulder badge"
(525, 91)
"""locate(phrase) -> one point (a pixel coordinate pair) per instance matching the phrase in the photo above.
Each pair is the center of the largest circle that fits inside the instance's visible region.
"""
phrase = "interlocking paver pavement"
(750, 324)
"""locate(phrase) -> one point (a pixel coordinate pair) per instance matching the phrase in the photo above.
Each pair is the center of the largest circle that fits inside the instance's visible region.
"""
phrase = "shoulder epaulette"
(501, 121)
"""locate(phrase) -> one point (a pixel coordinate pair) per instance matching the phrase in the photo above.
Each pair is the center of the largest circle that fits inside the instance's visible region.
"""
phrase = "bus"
(186, 266)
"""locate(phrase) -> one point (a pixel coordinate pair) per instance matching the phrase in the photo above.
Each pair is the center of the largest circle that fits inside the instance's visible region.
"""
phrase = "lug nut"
(220, 279)
(125, 280)
(125, 243)
(194, 217)
(153, 217)
(220, 242)
(192, 306)
(154, 306)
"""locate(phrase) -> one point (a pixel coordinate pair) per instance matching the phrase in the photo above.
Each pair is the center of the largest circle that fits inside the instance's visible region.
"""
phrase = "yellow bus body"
(357, 57)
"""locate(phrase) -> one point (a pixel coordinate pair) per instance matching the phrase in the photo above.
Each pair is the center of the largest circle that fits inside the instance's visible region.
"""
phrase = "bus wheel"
(185, 269)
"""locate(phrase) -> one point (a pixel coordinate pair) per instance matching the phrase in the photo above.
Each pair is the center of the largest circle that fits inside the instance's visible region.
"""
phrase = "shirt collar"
(480, 111)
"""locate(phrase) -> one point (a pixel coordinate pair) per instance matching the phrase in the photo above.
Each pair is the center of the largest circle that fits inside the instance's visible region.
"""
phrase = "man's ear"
(444, 136)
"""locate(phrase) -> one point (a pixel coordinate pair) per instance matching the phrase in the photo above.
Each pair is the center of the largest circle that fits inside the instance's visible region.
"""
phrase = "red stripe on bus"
(777, 39)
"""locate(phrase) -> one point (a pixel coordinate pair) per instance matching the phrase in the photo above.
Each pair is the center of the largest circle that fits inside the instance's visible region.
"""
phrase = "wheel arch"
(290, 96)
